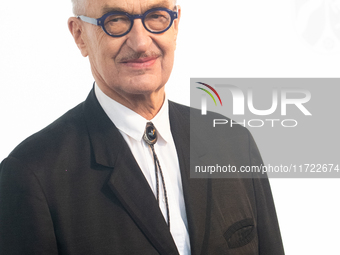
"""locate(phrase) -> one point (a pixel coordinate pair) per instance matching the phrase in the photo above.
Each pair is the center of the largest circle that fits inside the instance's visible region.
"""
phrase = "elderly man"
(111, 176)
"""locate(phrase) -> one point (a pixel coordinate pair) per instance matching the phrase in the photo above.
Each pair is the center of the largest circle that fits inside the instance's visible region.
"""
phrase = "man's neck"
(147, 105)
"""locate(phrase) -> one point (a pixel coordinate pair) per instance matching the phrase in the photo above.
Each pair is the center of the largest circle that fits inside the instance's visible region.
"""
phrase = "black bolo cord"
(150, 137)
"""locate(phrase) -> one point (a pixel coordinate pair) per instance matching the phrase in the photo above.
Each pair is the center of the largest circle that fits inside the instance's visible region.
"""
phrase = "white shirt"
(131, 125)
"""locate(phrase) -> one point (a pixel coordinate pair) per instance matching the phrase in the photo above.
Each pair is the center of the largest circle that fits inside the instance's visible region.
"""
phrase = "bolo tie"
(150, 137)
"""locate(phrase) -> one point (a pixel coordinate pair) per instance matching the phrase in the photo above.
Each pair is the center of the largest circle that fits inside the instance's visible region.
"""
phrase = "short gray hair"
(79, 7)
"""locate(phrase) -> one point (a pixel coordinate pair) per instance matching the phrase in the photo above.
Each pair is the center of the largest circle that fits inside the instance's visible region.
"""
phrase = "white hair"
(79, 7)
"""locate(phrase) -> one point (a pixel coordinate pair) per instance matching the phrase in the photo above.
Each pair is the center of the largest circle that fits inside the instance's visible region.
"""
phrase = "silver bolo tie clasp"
(150, 134)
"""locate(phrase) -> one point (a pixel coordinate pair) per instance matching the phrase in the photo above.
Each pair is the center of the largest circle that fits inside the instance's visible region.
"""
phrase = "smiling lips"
(140, 62)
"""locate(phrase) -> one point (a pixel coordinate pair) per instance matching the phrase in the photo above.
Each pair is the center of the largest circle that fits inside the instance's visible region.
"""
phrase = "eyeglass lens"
(155, 21)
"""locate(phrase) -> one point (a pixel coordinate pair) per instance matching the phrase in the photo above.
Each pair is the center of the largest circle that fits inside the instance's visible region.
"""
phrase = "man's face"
(138, 63)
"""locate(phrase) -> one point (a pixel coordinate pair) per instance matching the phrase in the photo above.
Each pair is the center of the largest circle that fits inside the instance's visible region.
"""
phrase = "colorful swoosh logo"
(212, 89)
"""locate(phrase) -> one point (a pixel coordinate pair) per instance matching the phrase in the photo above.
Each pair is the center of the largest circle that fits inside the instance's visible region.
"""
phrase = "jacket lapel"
(127, 180)
(195, 191)
(131, 188)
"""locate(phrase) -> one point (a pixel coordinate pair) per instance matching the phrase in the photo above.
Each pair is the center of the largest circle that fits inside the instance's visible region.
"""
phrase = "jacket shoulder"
(53, 138)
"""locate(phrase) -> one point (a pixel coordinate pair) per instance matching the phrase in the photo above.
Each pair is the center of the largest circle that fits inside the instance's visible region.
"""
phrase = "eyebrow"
(107, 9)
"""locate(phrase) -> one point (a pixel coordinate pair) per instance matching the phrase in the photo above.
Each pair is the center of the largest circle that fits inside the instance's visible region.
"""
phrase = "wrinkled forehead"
(97, 8)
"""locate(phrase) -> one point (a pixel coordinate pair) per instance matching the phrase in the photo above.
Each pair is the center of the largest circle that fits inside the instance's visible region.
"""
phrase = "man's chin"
(144, 82)
(144, 89)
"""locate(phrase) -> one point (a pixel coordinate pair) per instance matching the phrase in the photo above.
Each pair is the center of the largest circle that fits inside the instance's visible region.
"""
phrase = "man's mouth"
(142, 62)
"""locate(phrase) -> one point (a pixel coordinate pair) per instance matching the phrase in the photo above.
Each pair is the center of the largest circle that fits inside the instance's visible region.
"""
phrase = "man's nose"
(138, 38)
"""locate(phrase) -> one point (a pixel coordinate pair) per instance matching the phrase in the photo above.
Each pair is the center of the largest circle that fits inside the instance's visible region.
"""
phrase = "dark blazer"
(75, 188)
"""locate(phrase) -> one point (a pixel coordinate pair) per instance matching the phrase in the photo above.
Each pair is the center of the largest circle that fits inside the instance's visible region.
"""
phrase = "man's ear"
(76, 29)
(179, 11)
(176, 21)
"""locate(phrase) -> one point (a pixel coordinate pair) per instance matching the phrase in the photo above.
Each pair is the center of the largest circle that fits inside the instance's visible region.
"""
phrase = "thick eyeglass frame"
(100, 22)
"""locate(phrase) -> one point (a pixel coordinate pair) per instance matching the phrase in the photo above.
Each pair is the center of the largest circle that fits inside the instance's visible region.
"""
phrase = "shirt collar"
(130, 122)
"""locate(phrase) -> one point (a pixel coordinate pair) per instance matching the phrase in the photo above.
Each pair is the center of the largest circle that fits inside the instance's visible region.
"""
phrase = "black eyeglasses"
(117, 24)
